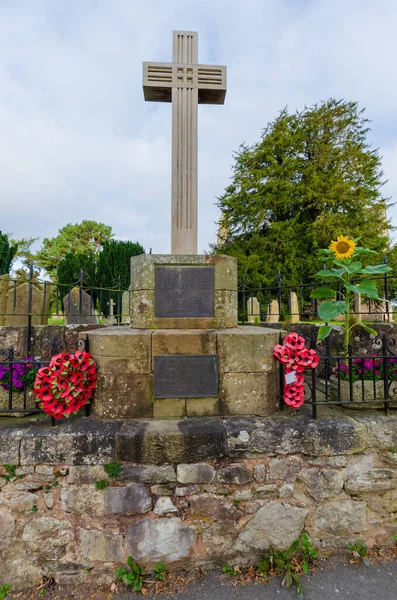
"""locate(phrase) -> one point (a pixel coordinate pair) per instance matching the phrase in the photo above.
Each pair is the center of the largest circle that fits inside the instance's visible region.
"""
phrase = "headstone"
(186, 84)
(294, 304)
(273, 314)
(111, 320)
(125, 308)
(253, 310)
(78, 308)
(19, 298)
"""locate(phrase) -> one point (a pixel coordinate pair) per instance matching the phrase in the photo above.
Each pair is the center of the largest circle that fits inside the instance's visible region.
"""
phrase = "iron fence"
(283, 300)
(17, 375)
(353, 381)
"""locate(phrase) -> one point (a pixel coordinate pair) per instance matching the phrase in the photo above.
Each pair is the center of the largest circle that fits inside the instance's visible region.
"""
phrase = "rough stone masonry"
(191, 492)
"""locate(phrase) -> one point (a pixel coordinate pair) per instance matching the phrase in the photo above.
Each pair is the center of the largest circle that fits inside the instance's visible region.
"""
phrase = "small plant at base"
(43, 592)
(134, 577)
(291, 563)
(34, 508)
(10, 470)
(359, 549)
(101, 484)
(113, 469)
(4, 589)
(233, 571)
(395, 538)
(160, 572)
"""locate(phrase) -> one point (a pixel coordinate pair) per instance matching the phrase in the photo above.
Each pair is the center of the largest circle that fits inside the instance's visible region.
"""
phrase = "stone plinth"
(210, 302)
(247, 371)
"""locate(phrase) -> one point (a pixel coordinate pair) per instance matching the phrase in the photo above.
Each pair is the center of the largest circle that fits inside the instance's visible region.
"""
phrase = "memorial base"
(243, 381)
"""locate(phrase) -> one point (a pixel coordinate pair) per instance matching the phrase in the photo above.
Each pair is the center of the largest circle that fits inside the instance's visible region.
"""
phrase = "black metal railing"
(353, 381)
(283, 300)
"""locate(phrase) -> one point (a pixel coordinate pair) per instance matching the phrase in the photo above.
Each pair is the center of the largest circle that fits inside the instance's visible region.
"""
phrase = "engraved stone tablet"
(185, 376)
(184, 292)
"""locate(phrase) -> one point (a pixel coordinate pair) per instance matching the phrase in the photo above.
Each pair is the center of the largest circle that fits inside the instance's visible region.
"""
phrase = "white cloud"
(78, 141)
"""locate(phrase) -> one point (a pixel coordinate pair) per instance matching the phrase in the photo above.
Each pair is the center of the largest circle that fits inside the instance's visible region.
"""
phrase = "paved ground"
(342, 581)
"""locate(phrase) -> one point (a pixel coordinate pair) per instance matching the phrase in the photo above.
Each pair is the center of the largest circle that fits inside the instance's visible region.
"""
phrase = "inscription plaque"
(184, 292)
(185, 376)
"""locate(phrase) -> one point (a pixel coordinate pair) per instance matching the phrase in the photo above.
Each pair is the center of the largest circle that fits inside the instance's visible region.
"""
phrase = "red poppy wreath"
(295, 358)
(66, 385)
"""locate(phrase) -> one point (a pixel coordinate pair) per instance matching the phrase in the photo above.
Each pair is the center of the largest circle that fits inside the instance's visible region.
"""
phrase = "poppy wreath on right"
(296, 358)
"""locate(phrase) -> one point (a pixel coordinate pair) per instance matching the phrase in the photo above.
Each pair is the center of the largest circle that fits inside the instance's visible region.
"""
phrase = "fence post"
(30, 307)
(279, 293)
(386, 279)
(386, 374)
(243, 281)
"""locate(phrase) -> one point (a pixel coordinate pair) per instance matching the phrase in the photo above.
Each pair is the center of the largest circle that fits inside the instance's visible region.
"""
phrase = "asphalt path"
(374, 582)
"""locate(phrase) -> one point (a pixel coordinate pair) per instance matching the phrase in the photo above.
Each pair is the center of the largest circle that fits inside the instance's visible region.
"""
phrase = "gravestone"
(111, 320)
(78, 308)
(125, 308)
(273, 314)
(294, 304)
(19, 298)
(253, 310)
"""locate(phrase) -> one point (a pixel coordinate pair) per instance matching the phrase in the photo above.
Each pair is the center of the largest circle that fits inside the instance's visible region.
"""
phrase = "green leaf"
(323, 292)
(354, 267)
(342, 262)
(305, 567)
(330, 310)
(324, 273)
(364, 251)
(369, 329)
(323, 332)
(376, 269)
(368, 288)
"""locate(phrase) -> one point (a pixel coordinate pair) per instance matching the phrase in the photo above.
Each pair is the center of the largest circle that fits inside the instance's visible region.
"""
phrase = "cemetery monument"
(184, 354)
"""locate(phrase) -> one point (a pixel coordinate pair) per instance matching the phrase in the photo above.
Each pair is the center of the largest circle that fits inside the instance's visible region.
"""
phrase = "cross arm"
(160, 78)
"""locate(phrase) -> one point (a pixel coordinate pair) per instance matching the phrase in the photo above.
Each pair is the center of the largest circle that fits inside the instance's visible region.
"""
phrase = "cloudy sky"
(77, 140)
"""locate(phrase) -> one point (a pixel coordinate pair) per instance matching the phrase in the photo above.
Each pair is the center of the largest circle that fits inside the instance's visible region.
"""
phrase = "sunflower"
(343, 247)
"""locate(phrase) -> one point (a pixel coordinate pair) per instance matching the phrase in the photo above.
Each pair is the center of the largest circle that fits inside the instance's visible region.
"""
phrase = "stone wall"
(190, 492)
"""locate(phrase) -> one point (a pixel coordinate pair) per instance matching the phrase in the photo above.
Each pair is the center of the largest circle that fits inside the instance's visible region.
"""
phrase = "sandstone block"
(247, 349)
(284, 469)
(195, 473)
(225, 309)
(125, 396)
(163, 506)
(44, 469)
(19, 501)
(214, 508)
(202, 407)
(275, 525)
(132, 499)
(264, 491)
(7, 527)
(96, 545)
(185, 341)
(162, 490)
(83, 499)
(376, 480)
(342, 517)
(148, 473)
(187, 491)
(73, 442)
(48, 500)
(236, 474)
(47, 537)
(10, 439)
(169, 408)
(249, 393)
(322, 484)
(124, 343)
(162, 442)
(260, 473)
(161, 540)
(386, 502)
(86, 474)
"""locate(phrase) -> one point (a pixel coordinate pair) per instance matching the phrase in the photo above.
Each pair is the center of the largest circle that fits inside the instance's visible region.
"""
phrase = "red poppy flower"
(294, 341)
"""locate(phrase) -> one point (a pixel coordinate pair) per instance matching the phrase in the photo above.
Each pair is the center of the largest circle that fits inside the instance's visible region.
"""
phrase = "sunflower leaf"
(375, 269)
(323, 292)
(330, 310)
(323, 332)
(353, 267)
(369, 329)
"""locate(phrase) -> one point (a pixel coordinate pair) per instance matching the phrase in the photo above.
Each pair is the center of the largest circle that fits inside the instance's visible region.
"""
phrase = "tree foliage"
(312, 176)
(113, 268)
(86, 237)
(8, 251)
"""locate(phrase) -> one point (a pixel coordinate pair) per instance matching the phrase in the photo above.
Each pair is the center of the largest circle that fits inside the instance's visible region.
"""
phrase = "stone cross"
(186, 84)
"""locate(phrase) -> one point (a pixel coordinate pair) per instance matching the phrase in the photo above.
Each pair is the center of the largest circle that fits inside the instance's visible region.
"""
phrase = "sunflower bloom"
(343, 247)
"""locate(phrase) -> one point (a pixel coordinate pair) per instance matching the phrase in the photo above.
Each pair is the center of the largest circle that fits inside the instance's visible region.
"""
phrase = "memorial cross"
(186, 84)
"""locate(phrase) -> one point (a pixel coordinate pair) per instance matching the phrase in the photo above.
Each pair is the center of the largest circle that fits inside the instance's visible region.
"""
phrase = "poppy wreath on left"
(295, 358)
(66, 385)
